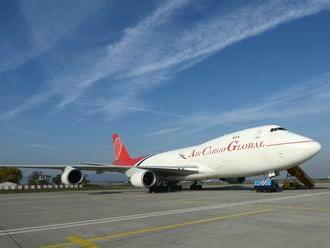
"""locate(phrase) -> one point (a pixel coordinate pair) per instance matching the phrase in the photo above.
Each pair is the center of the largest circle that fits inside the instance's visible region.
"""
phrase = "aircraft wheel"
(195, 187)
(176, 188)
(151, 189)
(158, 189)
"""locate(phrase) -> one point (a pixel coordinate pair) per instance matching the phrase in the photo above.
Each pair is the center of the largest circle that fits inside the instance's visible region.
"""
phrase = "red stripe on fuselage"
(290, 143)
(143, 159)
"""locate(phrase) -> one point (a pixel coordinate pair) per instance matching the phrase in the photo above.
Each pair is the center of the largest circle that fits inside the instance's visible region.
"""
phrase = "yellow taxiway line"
(90, 243)
(293, 207)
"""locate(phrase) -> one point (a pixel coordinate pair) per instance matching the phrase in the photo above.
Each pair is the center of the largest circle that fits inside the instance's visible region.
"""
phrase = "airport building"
(8, 185)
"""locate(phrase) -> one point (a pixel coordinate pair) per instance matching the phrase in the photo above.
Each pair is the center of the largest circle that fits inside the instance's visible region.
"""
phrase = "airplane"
(264, 150)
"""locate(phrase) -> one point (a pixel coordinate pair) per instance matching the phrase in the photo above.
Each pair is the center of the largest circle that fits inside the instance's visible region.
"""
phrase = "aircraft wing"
(35, 166)
(173, 170)
(85, 166)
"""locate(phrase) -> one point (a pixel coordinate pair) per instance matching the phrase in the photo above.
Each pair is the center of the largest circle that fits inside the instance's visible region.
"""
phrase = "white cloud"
(155, 112)
(39, 25)
(163, 131)
(302, 99)
(151, 52)
(28, 104)
(146, 58)
(45, 147)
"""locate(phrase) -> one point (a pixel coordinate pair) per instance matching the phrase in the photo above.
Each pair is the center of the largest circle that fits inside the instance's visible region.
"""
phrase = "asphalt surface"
(225, 216)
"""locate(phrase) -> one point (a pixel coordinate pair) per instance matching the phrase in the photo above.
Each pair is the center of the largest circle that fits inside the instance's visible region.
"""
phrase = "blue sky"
(164, 74)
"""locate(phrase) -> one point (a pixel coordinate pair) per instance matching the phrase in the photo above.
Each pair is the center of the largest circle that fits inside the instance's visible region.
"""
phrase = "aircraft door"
(258, 134)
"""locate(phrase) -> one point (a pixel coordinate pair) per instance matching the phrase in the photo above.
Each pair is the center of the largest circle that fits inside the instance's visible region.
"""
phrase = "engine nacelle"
(71, 176)
(143, 178)
(234, 180)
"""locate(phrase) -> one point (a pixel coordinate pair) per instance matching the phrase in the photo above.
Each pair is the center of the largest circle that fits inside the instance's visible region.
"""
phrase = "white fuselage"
(249, 152)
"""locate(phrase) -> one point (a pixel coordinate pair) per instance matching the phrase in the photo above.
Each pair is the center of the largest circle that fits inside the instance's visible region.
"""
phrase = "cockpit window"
(277, 129)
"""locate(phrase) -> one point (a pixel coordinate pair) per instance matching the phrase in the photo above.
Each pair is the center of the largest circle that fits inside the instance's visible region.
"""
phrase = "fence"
(39, 187)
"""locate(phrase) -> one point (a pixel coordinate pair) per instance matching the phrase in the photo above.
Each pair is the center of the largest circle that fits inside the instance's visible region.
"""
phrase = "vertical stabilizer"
(121, 153)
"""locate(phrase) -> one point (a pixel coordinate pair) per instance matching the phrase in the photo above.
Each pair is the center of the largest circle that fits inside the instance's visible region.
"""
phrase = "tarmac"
(226, 216)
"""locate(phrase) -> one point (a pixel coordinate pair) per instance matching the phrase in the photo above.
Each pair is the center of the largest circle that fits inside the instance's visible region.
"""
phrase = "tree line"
(13, 175)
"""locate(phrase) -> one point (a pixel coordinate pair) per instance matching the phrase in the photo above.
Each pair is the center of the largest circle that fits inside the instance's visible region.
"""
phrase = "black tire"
(151, 190)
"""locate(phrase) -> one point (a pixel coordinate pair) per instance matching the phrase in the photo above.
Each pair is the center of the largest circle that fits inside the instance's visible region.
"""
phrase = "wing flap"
(172, 170)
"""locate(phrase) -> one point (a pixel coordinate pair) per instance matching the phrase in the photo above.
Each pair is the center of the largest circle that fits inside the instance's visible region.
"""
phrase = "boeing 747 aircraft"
(264, 150)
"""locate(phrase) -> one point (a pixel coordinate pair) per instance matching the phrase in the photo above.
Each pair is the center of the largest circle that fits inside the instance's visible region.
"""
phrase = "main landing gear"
(165, 187)
(195, 186)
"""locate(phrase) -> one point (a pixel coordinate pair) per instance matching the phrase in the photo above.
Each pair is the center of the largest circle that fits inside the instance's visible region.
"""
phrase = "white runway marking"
(152, 214)
(5, 199)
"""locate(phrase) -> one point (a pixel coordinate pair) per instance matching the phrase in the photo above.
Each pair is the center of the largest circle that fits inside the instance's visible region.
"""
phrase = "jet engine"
(71, 175)
(143, 178)
(234, 180)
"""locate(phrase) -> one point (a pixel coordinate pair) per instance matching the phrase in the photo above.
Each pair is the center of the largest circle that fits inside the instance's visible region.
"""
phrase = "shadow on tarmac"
(106, 192)
(229, 187)
(205, 188)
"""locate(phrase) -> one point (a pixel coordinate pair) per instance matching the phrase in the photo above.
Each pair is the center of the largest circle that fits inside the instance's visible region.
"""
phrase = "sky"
(163, 74)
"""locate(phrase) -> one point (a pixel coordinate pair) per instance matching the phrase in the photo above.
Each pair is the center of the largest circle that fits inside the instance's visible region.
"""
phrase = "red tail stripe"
(122, 156)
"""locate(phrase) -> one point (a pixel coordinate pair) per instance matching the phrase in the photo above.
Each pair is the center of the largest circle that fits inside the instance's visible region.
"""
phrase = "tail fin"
(121, 153)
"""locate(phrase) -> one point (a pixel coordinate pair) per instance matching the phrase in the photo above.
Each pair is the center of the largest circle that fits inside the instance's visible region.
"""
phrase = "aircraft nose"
(301, 150)
(314, 147)
(304, 151)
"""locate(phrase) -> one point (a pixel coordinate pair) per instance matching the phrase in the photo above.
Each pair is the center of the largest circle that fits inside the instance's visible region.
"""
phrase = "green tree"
(36, 177)
(57, 179)
(13, 175)
(85, 180)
